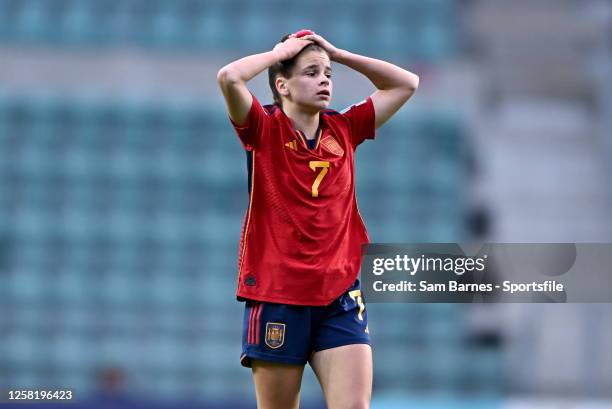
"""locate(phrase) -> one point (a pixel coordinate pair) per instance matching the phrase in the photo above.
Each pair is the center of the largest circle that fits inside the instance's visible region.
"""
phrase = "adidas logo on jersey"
(292, 145)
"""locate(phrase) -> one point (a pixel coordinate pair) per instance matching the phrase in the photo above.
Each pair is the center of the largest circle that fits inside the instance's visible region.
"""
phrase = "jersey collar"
(304, 139)
(301, 136)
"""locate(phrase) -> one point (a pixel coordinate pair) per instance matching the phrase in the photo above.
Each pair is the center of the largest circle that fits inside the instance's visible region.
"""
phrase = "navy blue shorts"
(292, 333)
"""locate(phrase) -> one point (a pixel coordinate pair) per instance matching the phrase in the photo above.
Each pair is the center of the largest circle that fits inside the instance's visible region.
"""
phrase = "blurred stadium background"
(123, 189)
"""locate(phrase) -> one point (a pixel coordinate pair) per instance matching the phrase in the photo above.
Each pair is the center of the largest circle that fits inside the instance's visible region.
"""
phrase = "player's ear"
(281, 86)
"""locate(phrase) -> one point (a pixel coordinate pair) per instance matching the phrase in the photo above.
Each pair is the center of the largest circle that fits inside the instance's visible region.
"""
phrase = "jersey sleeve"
(361, 121)
(250, 133)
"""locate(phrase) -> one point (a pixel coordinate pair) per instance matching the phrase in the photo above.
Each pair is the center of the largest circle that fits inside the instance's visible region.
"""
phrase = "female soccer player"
(300, 249)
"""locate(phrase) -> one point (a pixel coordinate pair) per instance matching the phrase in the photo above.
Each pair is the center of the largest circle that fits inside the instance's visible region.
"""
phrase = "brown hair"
(284, 68)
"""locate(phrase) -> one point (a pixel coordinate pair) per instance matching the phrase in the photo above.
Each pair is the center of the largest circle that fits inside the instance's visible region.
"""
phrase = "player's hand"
(323, 43)
(290, 48)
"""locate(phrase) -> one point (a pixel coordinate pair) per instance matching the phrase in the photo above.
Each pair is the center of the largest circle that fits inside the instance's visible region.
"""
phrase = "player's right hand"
(290, 48)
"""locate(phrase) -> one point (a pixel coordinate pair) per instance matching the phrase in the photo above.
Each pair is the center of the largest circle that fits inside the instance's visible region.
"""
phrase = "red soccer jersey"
(302, 235)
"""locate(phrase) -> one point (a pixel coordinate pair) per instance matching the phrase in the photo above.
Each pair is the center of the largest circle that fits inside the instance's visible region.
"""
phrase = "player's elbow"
(227, 76)
(415, 81)
(412, 82)
(409, 85)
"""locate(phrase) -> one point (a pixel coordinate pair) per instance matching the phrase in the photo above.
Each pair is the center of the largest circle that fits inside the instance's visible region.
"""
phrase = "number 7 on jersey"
(314, 164)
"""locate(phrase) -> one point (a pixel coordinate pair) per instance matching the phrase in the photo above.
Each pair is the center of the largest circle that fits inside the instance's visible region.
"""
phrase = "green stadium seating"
(417, 30)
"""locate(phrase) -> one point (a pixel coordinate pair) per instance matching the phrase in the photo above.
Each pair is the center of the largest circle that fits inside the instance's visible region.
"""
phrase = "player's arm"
(394, 85)
(233, 77)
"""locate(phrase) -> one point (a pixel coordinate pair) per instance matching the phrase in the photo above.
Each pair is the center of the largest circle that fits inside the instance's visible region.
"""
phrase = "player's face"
(310, 84)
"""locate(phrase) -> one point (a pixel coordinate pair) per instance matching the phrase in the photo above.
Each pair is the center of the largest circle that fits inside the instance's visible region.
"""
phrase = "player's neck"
(306, 122)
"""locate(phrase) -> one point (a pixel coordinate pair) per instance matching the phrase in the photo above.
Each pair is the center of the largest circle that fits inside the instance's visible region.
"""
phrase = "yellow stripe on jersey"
(318, 138)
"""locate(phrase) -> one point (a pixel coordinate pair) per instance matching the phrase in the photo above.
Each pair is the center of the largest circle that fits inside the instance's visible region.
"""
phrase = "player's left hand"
(323, 43)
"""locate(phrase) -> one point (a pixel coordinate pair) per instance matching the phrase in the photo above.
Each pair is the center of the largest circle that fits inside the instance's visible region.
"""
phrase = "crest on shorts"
(331, 144)
(275, 334)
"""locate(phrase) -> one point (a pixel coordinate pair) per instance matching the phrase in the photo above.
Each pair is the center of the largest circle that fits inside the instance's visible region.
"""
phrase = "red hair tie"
(302, 33)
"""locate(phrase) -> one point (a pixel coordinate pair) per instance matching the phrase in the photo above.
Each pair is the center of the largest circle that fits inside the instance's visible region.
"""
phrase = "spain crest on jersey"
(331, 144)
(275, 334)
